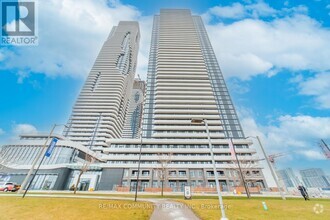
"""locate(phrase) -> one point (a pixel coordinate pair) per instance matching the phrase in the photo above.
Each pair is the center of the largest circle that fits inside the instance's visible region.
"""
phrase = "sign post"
(51, 147)
(47, 154)
(187, 192)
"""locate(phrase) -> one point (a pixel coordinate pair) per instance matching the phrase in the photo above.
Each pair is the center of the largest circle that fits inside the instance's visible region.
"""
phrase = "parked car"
(9, 186)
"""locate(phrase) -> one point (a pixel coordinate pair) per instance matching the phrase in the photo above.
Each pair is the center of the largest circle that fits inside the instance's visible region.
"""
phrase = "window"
(182, 173)
(172, 173)
(210, 173)
(145, 172)
(192, 173)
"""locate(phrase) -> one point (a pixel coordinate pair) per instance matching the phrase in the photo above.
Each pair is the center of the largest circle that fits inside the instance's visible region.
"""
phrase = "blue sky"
(274, 55)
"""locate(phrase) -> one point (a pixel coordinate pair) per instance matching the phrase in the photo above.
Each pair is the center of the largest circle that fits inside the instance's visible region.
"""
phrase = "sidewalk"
(170, 210)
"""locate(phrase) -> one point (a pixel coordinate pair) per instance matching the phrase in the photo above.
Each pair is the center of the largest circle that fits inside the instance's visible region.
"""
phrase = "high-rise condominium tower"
(99, 114)
(185, 82)
(102, 105)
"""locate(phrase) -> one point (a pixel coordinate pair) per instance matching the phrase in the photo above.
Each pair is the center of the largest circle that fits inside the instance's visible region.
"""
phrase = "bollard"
(265, 206)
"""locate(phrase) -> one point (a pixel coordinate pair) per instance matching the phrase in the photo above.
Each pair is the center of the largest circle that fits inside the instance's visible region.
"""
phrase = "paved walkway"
(164, 209)
(170, 210)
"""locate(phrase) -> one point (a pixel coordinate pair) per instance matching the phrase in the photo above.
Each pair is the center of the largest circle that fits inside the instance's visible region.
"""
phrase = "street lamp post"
(138, 174)
(41, 154)
(199, 121)
(240, 170)
(269, 165)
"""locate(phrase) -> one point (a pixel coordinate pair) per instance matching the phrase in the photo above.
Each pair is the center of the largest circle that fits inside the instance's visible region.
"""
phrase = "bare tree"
(247, 166)
(88, 160)
(162, 170)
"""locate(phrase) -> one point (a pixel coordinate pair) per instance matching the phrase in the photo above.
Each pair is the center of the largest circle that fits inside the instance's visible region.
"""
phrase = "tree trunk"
(162, 188)
(78, 180)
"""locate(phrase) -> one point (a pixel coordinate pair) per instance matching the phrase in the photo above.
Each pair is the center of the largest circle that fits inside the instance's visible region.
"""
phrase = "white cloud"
(297, 79)
(71, 35)
(21, 76)
(244, 65)
(297, 9)
(294, 134)
(2, 56)
(236, 10)
(313, 154)
(1, 131)
(261, 9)
(238, 86)
(19, 129)
(317, 86)
(292, 40)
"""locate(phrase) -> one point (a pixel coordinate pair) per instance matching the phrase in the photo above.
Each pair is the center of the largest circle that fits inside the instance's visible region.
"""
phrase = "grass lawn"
(71, 208)
(206, 207)
(241, 208)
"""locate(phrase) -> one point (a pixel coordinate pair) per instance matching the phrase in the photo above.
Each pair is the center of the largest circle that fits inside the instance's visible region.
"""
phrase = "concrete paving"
(170, 210)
